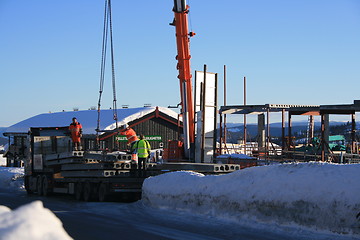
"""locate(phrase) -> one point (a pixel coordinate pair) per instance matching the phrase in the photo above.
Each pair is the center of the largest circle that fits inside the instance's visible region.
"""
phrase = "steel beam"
(87, 166)
(107, 157)
(64, 161)
(63, 155)
(197, 167)
(100, 173)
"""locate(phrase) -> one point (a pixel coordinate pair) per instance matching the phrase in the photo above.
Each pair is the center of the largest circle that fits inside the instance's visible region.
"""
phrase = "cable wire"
(113, 68)
(107, 30)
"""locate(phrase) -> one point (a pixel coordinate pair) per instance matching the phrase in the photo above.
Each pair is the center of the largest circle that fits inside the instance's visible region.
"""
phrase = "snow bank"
(317, 195)
(31, 221)
(11, 178)
(2, 160)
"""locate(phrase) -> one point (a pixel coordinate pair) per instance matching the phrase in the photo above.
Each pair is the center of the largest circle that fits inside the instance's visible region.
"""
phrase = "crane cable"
(190, 21)
(102, 71)
(113, 68)
(107, 24)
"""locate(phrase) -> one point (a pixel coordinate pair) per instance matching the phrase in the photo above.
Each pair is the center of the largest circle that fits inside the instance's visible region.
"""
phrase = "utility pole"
(224, 105)
(245, 132)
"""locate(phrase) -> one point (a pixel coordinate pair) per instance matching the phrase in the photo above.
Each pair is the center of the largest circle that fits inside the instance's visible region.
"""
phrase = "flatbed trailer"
(52, 167)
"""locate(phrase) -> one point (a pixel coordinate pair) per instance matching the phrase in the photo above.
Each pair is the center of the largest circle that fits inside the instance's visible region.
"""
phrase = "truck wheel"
(39, 185)
(102, 194)
(87, 192)
(45, 186)
(78, 191)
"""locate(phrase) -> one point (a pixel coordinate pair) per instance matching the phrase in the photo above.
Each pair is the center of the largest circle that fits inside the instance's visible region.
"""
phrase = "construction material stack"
(52, 167)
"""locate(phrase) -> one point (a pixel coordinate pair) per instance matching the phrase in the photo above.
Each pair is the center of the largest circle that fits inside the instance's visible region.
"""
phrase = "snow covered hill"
(315, 195)
(3, 140)
(2, 129)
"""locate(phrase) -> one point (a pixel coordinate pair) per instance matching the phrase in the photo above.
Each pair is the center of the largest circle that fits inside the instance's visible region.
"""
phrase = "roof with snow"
(87, 118)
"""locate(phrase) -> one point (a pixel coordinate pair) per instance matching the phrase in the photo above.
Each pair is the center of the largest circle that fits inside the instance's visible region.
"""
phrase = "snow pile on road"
(316, 195)
(11, 178)
(32, 222)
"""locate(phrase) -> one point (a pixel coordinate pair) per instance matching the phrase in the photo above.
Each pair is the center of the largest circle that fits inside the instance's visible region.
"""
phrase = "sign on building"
(157, 138)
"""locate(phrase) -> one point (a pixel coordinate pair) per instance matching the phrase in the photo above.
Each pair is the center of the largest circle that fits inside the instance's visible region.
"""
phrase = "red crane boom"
(183, 35)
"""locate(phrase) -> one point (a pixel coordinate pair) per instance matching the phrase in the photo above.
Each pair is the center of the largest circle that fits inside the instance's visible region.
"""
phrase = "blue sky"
(292, 52)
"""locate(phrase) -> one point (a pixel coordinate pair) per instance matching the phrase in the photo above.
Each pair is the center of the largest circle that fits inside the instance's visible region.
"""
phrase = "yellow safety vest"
(142, 148)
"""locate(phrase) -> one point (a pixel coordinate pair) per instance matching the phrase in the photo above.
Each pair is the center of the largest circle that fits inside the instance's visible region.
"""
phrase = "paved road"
(115, 220)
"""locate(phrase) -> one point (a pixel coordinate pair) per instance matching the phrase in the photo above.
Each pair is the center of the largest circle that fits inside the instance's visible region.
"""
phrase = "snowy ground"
(298, 197)
(31, 221)
(11, 178)
(2, 159)
(320, 196)
(27, 222)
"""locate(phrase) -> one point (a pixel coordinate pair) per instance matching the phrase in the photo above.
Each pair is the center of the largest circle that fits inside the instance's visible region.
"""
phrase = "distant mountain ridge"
(2, 130)
(3, 139)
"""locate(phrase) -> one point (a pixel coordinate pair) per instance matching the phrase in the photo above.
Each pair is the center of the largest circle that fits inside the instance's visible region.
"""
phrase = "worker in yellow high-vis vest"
(142, 149)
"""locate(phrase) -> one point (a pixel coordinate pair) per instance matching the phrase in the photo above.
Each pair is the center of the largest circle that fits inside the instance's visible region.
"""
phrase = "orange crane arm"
(183, 57)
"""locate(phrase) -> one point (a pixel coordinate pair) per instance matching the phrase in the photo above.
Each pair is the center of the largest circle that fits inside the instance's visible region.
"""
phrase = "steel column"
(353, 130)
(215, 115)
(245, 132)
(203, 115)
(224, 103)
(221, 135)
(322, 137)
(283, 128)
(289, 131)
(267, 131)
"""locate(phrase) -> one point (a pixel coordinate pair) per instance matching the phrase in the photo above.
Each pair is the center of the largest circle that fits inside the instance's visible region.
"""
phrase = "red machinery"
(183, 35)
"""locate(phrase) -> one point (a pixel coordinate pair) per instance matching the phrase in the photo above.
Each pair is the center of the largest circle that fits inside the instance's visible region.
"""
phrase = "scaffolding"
(267, 150)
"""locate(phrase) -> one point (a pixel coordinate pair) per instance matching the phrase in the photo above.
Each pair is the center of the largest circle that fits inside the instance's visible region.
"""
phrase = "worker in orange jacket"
(75, 129)
(130, 135)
